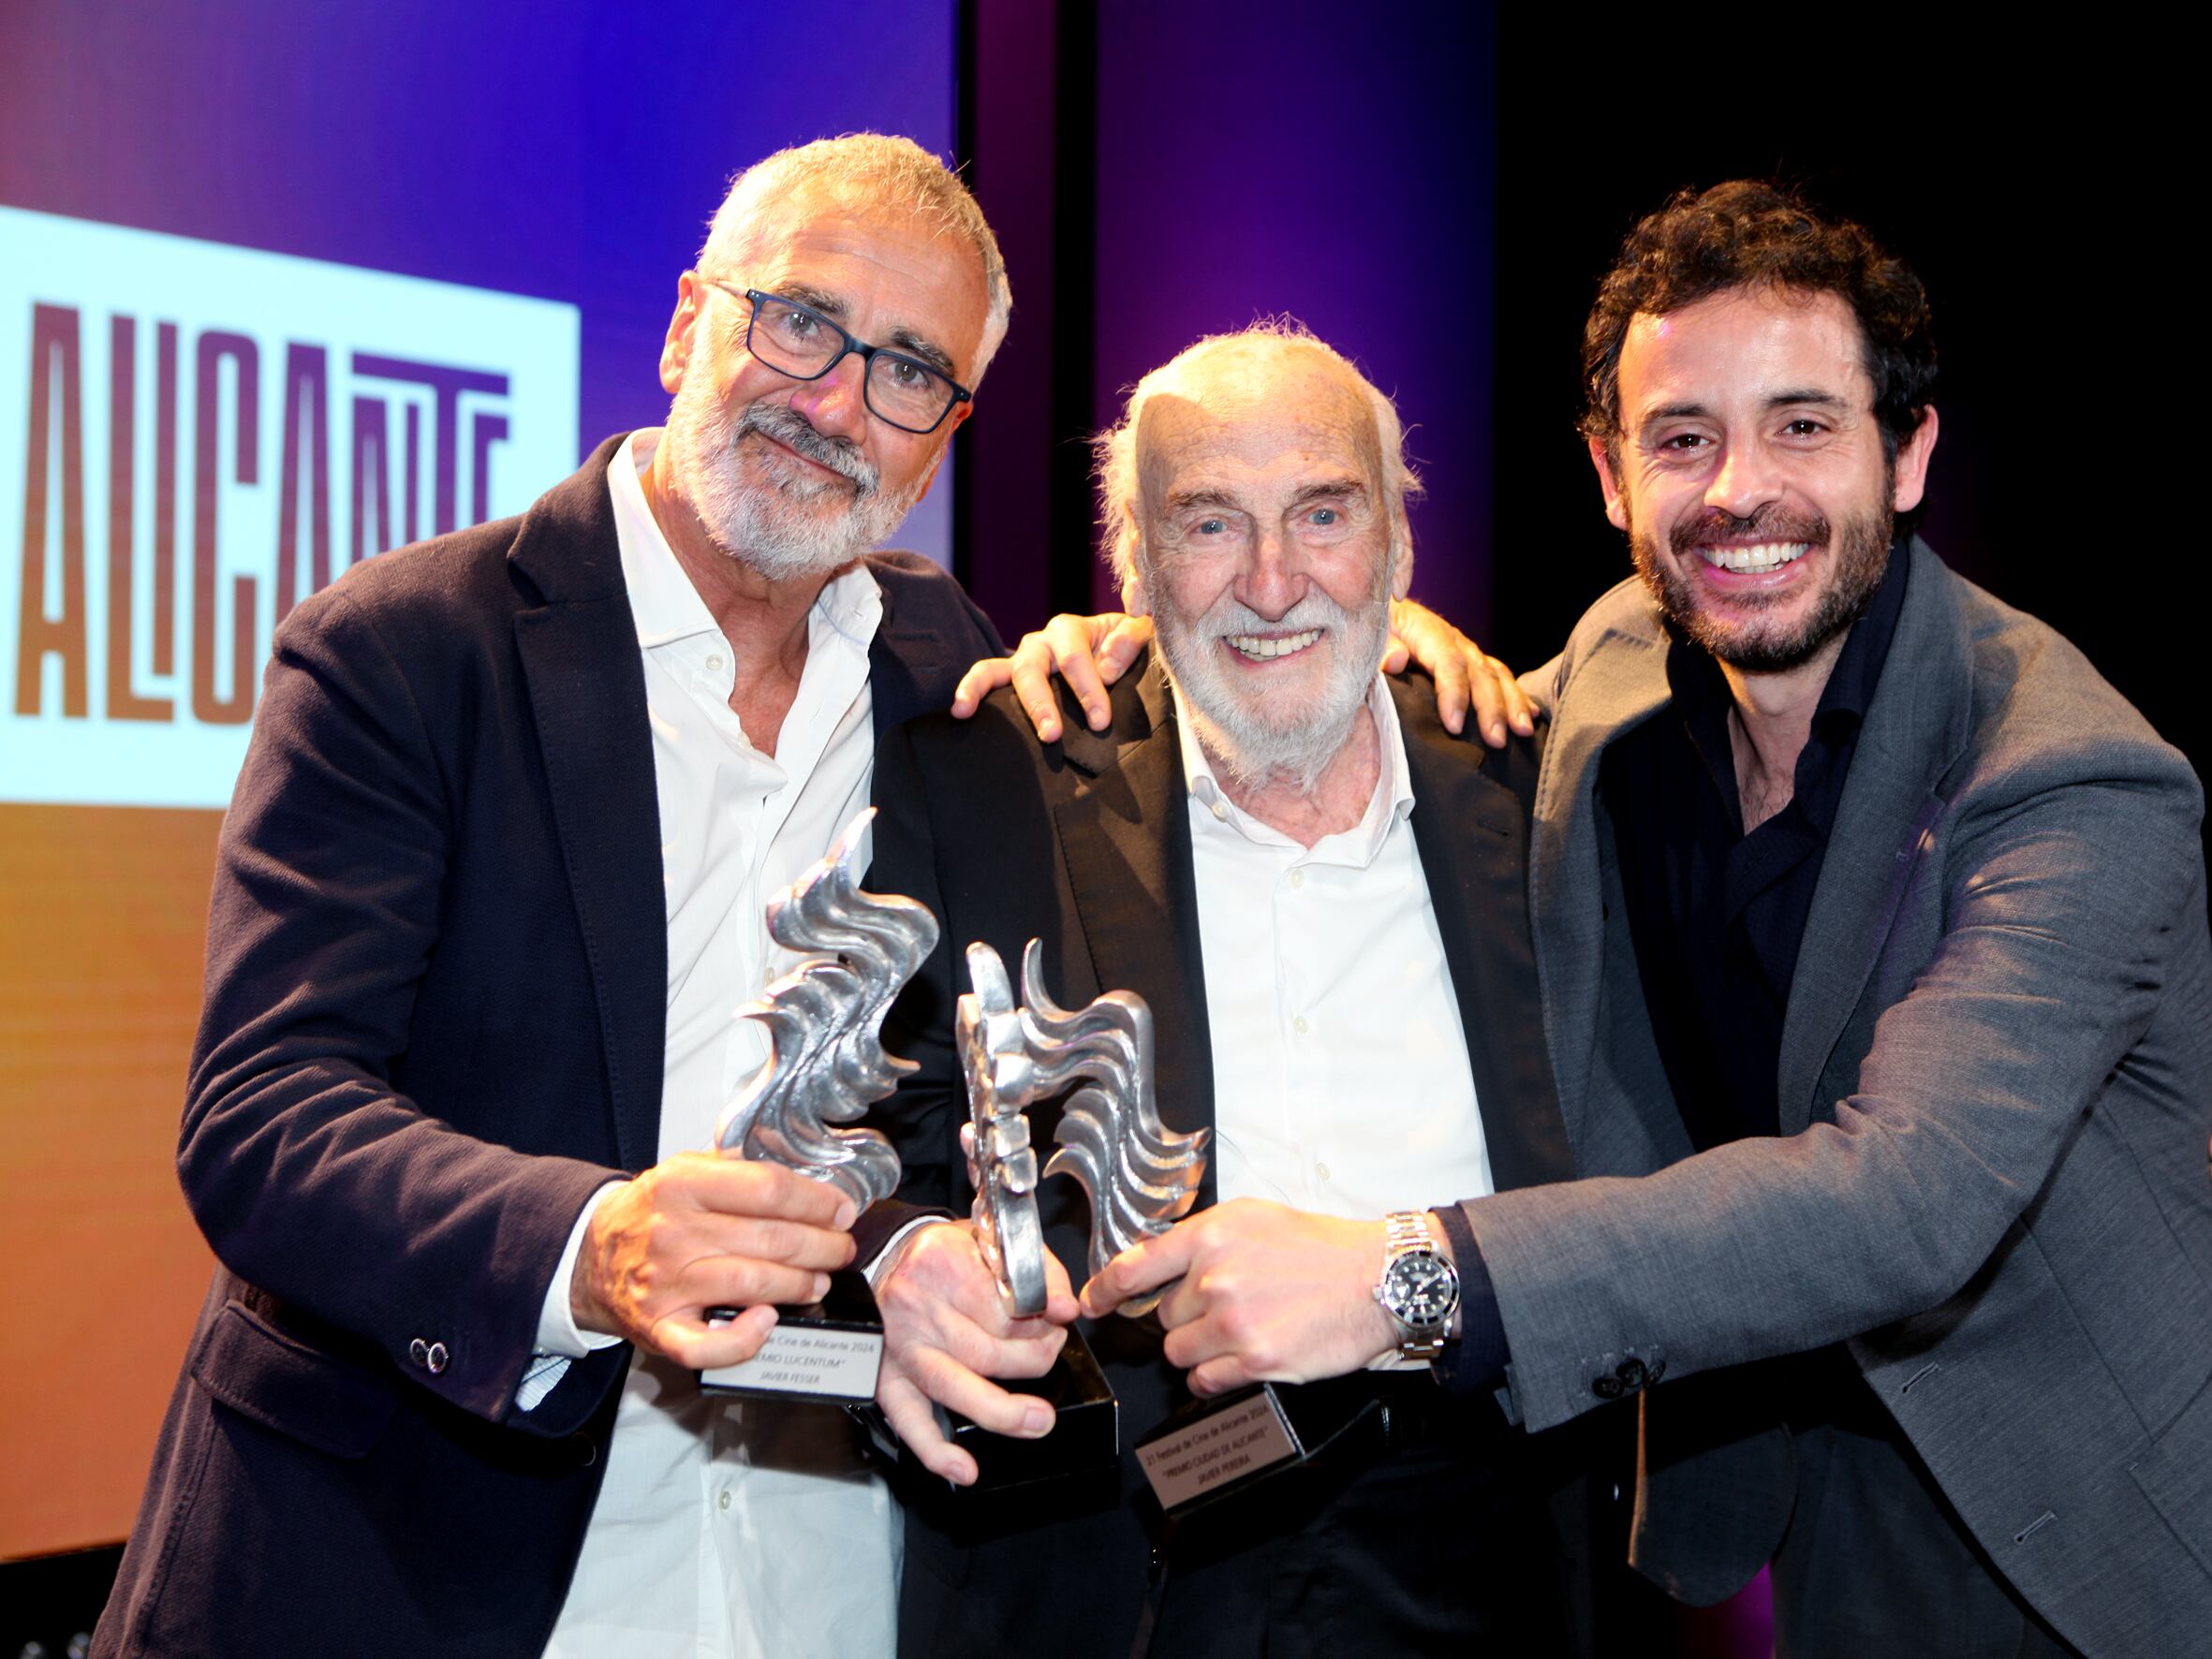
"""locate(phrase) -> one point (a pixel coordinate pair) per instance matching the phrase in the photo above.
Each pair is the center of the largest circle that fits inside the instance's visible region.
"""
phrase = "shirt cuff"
(888, 1257)
(1475, 1362)
(557, 1334)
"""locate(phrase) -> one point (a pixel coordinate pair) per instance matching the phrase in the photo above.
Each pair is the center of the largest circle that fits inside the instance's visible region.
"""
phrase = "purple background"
(1330, 166)
(570, 153)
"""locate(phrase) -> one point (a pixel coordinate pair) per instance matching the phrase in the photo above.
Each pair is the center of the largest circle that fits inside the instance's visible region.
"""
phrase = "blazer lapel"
(906, 663)
(1619, 681)
(580, 658)
(1915, 728)
(1471, 834)
(1125, 841)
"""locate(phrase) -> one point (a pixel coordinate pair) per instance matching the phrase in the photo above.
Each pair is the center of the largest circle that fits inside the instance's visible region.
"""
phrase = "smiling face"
(1268, 550)
(1750, 476)
(796, 478)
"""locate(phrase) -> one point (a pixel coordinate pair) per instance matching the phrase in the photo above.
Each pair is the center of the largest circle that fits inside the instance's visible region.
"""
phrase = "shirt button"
(723, 1502)
(1220, 810)
(1298, 1025)
(1322, 1170)
(1297, 878)
(715, 663)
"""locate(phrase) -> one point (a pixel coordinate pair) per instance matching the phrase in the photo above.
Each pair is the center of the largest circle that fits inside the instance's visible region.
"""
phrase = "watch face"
(1421, 1289)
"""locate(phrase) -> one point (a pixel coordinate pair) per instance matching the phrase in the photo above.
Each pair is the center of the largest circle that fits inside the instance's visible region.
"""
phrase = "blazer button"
(418, 1351)
(1606, 1388)
(1655, 1371)
(437, 1357)
(1632, 1374)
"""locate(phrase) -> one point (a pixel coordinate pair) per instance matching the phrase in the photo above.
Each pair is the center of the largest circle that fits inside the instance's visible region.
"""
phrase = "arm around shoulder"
(2037, 924)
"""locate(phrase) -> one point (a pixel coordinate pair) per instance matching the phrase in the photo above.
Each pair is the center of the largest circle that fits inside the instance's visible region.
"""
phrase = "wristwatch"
(1420, 1287)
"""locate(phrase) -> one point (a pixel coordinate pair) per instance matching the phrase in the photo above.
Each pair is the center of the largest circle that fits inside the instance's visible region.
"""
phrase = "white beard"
(784, 528)
(1273, 739)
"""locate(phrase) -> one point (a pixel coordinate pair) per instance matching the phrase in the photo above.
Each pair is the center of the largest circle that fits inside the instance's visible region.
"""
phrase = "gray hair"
(1114, 450)
(881, 172)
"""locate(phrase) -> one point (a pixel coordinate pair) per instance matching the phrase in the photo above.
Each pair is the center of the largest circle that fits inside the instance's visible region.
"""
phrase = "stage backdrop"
(282, 287)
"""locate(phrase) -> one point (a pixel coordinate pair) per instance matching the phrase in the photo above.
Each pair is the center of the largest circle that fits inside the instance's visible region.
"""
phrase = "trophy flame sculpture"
(1141, 1176)
(1001, 1080)
(825, 1021)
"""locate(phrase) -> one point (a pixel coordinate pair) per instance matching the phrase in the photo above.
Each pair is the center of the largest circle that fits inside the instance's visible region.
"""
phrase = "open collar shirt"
(726, 1529)
(1341, 1082)
(1716, 913)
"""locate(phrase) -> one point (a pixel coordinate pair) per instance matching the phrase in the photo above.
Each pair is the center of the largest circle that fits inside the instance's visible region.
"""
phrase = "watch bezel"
(1395, 1293)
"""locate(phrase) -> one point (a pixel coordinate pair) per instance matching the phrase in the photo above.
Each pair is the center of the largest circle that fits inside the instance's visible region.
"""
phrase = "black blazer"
(435, 1006)
(1086, 845)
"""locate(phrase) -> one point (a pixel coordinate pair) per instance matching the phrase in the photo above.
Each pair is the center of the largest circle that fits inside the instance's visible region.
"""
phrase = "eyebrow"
(913, 345)
(1184, 500)
(815, 300)
(1780, 400)
(1330, 490)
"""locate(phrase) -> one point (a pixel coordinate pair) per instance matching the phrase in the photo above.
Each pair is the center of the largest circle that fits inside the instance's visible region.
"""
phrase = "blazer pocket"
(2176, 1476)
(282, 1384)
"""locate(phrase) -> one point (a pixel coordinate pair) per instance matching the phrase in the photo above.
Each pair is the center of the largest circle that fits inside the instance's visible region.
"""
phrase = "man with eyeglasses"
(490, 892)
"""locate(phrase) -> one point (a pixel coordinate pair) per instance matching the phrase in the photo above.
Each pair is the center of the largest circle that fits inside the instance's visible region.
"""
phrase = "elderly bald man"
(1319, 891)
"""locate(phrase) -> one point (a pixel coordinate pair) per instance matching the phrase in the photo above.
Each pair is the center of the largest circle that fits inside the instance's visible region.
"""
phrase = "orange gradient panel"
(103, 911)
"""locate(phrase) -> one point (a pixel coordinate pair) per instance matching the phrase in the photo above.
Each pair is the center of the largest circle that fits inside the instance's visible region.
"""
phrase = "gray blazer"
(1994, 1088)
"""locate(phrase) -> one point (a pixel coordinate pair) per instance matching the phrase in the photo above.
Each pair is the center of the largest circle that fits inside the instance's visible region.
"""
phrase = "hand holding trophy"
(1140, 1176)
(826, 1064)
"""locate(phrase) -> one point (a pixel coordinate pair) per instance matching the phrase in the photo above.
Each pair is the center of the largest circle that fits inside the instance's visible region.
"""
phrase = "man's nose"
(1273, 577)
(836, 403)
(1746, 481)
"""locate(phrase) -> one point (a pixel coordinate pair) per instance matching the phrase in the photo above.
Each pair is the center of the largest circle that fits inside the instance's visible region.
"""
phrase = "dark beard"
(1860, 548)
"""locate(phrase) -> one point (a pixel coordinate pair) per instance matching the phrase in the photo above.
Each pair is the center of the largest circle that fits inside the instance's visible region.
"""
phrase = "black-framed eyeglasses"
(799, 341)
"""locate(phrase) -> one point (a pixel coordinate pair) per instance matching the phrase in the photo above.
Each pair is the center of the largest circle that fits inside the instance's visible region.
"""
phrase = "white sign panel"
(195, 437)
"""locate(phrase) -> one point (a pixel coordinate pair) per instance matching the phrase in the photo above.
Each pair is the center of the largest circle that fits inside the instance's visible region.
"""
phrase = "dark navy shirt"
(1717, 915)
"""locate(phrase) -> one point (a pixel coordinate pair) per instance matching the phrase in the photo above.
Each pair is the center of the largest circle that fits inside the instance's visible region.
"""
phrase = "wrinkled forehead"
(1245, 418)
(1751, 343)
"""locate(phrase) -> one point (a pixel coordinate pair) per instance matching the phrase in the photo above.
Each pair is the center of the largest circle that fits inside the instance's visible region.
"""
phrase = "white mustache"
(1315, 610)
(793, 431)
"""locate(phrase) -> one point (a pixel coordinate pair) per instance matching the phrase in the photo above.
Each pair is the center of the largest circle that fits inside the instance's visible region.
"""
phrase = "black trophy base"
(828, 1351)
(1210, 1449)
(1085, 1440)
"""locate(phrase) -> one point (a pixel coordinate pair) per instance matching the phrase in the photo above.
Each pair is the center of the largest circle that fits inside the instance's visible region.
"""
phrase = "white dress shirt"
(1341, 1082)
(725, 1529)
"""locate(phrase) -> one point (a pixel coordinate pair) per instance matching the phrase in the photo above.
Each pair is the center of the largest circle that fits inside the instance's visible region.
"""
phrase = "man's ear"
(1616, 501)
(1133, 598)
(1401, 554)
(1913, 462)
(675, 350)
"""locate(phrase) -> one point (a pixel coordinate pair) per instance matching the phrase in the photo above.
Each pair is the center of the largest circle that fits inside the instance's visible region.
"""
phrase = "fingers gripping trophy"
(1140, 1176)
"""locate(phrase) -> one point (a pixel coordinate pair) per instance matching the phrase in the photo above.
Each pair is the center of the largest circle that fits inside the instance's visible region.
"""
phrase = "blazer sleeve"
(311, 1175)
(2052, 955)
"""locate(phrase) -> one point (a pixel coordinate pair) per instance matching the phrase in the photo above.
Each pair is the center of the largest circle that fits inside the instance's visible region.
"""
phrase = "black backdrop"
(2043, 187)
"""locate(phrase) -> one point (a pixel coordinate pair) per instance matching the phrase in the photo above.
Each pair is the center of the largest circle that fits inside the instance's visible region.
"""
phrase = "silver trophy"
(1001, 1164)
(825, 1065)
(1141, 1177)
